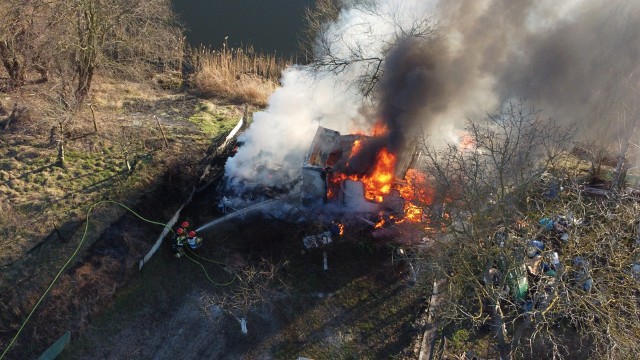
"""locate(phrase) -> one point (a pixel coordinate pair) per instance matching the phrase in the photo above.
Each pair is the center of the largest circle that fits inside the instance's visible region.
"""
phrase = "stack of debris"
(323, 240)
(532, 282)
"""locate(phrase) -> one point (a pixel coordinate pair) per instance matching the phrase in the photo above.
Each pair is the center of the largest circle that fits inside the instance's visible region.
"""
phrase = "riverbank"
(138, 144)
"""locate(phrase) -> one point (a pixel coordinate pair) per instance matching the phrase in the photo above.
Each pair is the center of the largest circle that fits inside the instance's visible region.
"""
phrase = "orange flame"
(416, 187)
(467, 142)
(357, 146)
(384, 219)
(378, 182)
(412, 213)
(381, 180)
(415, 190)
(379, 129)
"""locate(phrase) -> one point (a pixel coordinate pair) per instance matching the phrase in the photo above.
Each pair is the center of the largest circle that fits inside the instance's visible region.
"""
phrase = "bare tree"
(628, 121)
(62, 117)
(78, 37)
(316, 20)
(506, 155)
(24, 32)
(117, 35)
(486, 186)
(336, 53)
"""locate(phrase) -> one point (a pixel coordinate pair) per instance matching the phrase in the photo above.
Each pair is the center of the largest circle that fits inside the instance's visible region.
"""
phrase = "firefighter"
(193, 240)
(180, 239)
(178, 244)
(185, 227)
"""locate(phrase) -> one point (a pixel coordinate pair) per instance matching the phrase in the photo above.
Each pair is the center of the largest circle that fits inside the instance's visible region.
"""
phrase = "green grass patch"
(213, 120)
(355, 293)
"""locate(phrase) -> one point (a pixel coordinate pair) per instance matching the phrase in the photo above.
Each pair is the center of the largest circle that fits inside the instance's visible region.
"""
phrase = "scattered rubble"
(322, 240)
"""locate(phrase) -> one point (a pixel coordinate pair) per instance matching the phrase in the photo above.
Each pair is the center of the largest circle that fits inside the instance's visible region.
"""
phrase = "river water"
(268, 25)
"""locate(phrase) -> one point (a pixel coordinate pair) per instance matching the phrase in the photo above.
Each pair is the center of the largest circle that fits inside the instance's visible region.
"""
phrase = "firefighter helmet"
(180, 231)
(192, 233)
(185, 224)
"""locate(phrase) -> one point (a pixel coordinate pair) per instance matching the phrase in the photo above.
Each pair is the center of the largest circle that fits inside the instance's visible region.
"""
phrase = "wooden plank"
(54, 350)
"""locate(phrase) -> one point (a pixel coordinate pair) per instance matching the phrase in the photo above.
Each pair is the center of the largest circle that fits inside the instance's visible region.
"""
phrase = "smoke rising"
(576, 60)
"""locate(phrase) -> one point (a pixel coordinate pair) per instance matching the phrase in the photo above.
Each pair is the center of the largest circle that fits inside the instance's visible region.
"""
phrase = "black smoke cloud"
(412, 86)
(578, 64)
(584, 71)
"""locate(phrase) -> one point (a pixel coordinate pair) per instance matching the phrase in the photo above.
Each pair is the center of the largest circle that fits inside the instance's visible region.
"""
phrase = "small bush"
(169, 80)
(459, 338)
(39, 178)
(8, 164)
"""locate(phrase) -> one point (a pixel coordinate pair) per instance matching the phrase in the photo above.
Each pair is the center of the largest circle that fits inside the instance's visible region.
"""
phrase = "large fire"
(378, 183)
(414, 191)
(380, 180)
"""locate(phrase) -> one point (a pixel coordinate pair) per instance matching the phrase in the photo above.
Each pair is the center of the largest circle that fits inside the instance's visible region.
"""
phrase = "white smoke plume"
(273, 148)
(576, 60)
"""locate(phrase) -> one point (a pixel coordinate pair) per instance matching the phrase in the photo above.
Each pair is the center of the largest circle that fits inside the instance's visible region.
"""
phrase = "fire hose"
(205, 270)
(75, 252)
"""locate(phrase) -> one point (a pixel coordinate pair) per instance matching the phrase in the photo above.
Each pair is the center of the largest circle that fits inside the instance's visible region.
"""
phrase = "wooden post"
(427, 345)
(93, 116)
(54, 350)
(166, 143)
(325, 266)
(60, 158)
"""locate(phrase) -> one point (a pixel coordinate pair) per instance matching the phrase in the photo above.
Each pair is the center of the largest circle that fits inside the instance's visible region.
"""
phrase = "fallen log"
(429, 336)
(596, 191)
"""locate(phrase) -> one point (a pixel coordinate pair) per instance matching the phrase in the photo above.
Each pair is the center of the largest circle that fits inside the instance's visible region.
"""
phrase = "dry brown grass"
(211, 82)
(111, 94)
(13, 229)
(239, 75)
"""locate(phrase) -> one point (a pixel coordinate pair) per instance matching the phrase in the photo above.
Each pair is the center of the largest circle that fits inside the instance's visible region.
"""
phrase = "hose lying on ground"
(75, 252)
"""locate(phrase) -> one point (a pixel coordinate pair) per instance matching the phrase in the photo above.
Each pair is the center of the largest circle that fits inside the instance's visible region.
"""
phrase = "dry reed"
(239, 75)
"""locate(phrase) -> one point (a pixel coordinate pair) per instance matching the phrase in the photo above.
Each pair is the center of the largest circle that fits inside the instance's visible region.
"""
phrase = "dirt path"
(186, 333)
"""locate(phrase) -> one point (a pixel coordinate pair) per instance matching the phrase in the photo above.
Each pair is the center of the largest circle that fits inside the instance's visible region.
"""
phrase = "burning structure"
(356, 173)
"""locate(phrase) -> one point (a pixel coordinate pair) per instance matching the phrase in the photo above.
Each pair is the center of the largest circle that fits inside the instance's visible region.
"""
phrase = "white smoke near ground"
(576, 60)
(274, 146)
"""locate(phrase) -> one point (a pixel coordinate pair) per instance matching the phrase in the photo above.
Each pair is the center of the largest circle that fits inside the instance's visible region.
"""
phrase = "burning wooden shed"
(330, 173)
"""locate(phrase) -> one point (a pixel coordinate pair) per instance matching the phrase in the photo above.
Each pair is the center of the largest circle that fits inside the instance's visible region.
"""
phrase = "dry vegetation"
(360, 308)
(239, 75)
(43, 206)
(540, 251)
(83, 123)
